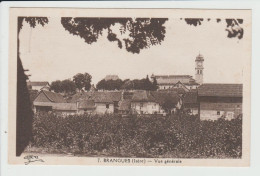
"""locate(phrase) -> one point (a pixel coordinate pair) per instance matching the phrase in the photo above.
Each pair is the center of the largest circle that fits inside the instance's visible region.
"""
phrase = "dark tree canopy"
(68, 86)
(193, 21)
(143, 32)
(56, 86)
(168, 104)
(233, 28)
(65, 86)
(110, 84)
(82, 81)
(139, 84)
(32, 21)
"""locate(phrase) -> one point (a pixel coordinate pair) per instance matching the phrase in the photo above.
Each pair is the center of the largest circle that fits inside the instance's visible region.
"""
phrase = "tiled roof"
(161, 96)
(54, 97)
(221, 90)
(128, 95)
(173, 79)
(143, 96)
(172, 76)
(98, 97)
(64, 106)
(44, 83)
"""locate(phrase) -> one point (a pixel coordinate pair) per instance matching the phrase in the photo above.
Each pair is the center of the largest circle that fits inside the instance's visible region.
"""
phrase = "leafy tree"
(148, 84)
(110, 84)
(233, 26)
(56, 86)
(138, 84)
(142, 32)
(82, 81)
(155, 84)
(168, 104)
(127, 85)
(68, 86)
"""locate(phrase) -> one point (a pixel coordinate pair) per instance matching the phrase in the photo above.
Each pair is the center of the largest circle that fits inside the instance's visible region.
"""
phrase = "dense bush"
(179, 136)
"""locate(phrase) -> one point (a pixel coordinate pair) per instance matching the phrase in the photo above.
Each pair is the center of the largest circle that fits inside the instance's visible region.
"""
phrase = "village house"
(151, 102)
(190, 103)
(182, 81)
(38, 85)
(45, 100)
(144, 103)
(85, 106)
(65, 108)
(220, 100)
(124, 105)
(104, 102)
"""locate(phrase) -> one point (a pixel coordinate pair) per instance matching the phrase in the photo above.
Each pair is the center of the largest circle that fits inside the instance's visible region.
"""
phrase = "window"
(218, 112)
(141, 105)
(198, 72)
(107, 106)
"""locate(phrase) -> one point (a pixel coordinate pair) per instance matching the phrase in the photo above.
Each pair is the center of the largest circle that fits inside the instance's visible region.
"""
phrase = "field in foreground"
(179, 136)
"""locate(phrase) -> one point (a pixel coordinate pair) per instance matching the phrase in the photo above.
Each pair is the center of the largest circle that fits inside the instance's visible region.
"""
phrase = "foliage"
(56, 86)
(32, 94)
(68, 86)
(110, 84)
(168, 104)
(65, 86)
(82, 81)
(155, 84)
(233, 26)
(181, 136)
(136, 84)
(32, 21)
(139, 84)
(140, 33)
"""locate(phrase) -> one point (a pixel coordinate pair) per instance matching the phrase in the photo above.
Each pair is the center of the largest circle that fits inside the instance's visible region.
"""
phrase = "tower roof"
(199, 58)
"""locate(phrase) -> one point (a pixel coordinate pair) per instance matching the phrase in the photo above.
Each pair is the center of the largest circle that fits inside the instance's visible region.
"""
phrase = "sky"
(51, 53)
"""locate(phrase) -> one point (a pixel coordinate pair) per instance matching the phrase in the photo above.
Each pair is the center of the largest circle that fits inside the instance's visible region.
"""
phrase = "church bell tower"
(199, 69)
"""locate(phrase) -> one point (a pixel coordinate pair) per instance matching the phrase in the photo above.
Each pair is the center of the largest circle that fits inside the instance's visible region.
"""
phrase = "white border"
(14, 170)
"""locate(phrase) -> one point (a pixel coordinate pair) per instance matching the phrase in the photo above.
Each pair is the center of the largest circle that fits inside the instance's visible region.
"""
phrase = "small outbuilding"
(220, 100)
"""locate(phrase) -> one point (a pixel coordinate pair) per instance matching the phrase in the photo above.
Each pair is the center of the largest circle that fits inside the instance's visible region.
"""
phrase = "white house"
(151, 102)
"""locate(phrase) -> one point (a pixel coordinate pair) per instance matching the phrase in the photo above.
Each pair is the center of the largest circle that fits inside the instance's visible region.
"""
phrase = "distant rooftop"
(172, 76)
(221, 90)
(37, 83)
(173, 79)
(111, 77)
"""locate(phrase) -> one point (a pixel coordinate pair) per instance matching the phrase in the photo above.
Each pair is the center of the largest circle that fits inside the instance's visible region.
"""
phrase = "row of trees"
(80, 81)
(127, 84)
(83, 81)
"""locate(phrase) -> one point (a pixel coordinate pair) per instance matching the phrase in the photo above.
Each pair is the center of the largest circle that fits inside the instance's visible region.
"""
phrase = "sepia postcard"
(129, 87)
